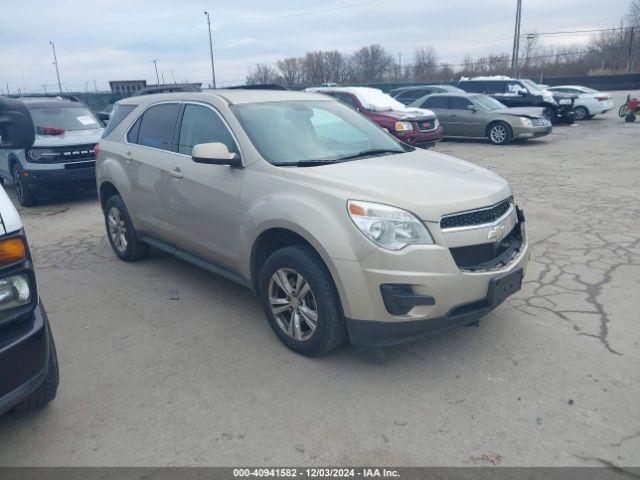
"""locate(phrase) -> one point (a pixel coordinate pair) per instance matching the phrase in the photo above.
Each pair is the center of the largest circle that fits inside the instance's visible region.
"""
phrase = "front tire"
(499, 133)
(301, 302)
(23, 192)
(122, 235)
(581, 113)
(550, 114)
(48, 390)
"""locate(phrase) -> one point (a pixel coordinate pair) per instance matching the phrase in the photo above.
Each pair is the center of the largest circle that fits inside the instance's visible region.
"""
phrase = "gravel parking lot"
(549, 378)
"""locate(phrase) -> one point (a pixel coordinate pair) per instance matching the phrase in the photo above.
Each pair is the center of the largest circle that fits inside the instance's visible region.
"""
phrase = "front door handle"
(175, 172)
(127, 157)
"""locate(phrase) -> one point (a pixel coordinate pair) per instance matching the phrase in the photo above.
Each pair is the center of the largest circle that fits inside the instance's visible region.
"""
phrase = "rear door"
(146, 160)
(204, 199)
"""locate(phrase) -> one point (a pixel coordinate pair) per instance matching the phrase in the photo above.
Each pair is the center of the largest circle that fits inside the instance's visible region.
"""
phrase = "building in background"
(127, 87)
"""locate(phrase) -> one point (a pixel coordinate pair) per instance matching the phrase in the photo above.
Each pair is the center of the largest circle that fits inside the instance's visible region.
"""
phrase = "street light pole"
(213, 71)
(55, 62)
(155, 64)
(516, 41)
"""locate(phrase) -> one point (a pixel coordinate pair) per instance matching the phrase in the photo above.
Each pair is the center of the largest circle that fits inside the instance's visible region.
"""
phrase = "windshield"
(68, 118)
(532, 86)
(487, 103)
(295, 132)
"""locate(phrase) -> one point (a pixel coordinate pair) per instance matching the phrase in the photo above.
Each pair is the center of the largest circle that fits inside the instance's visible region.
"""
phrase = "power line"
(569, 32)
(299, 14)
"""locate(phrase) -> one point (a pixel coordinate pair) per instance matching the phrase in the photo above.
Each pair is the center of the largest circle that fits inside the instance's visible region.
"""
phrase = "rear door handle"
(127, 157)
(175, 172)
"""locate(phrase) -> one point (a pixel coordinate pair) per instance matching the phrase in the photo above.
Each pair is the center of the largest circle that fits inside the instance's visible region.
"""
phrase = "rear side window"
(346, 99)
(201, 124)
(156, 126)
(118, 114)
(435, 102)
(458, 103)
(475, 87)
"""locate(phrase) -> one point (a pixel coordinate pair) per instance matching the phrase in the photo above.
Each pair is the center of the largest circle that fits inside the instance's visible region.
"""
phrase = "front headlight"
(14, 291)
(526, 122)
(389, 227)
(404, 126)
(41, 154)
(436, 123)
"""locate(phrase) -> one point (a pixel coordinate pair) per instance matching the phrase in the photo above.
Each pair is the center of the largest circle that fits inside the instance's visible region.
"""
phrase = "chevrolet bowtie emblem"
(496, 234)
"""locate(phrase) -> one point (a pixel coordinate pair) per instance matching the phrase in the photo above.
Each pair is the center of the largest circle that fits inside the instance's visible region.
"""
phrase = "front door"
(465, 122)
(205, 199)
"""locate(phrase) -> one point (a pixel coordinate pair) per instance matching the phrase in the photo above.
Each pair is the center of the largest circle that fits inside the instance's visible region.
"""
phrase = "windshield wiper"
(308, 163)
(371, 151)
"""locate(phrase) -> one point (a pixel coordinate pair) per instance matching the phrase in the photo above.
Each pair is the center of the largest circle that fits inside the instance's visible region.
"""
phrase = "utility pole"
(630, 53)
(7, 87)
(516, 41)
(162, 78)
(45, 88)
(155, 64)
(213, 71)
(172, 75)
(55, 62)
(399, 65)
(95, 86)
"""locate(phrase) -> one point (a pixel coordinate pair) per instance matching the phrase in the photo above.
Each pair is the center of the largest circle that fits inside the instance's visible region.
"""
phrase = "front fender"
(322, 220)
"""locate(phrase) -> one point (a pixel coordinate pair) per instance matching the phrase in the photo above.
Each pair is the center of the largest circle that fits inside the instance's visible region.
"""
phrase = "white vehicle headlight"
(565, 101)
(389, 227)
(37, 154)
(436, 123)
(14, 291)
(526, 122)
(404, 126)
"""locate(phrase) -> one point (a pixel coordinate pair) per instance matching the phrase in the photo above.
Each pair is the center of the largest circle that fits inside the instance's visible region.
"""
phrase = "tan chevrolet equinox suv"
(342, 230)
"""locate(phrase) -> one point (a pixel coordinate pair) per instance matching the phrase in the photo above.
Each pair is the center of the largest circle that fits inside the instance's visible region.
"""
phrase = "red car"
(416, 126)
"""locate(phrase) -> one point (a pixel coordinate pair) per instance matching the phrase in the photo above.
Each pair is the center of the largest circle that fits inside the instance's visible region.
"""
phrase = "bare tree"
(371, 63)
(291, 71)
(425, 63)
(634, 13)
(262, 73)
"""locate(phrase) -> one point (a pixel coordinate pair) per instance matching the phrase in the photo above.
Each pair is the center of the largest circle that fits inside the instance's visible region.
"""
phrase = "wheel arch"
(107, 190)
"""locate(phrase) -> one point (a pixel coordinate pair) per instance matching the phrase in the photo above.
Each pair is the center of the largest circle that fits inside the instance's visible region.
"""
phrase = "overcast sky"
(105, 40)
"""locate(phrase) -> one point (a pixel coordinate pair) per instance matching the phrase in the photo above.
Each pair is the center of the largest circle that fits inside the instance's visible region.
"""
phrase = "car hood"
(529, 112)
(426, 183)
(69, 137)
(408, 113)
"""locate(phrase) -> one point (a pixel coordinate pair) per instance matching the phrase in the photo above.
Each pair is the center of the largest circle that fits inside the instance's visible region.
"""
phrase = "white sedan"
(590, 102)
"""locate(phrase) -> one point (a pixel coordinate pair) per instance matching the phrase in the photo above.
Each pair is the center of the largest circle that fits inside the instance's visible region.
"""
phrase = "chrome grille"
(480, 216)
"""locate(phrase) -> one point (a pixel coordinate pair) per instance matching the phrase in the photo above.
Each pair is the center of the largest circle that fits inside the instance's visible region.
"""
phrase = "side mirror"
(215, 153)
(16, 126)
(473, 108)
(522, 93)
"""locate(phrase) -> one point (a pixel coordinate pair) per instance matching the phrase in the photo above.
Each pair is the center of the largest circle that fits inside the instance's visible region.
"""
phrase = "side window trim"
(220, 116)
(138, 122)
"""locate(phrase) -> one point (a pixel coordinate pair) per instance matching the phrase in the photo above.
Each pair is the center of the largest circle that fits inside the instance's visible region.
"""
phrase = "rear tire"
(499, 133)
(23, 192)
(47, 391)
(120, 231)
(631, 117)
(318, 298)
(581, 113)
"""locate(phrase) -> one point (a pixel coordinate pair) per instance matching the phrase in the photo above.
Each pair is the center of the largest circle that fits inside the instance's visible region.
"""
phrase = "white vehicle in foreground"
(590, 102)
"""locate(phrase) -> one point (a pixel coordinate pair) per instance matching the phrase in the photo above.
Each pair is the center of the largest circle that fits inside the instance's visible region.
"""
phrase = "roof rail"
(62, 96)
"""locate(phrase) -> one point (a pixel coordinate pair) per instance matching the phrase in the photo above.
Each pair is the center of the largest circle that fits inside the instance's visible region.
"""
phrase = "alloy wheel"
(117, 229)
(293, 304)
(498, 134)
(580, 113)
